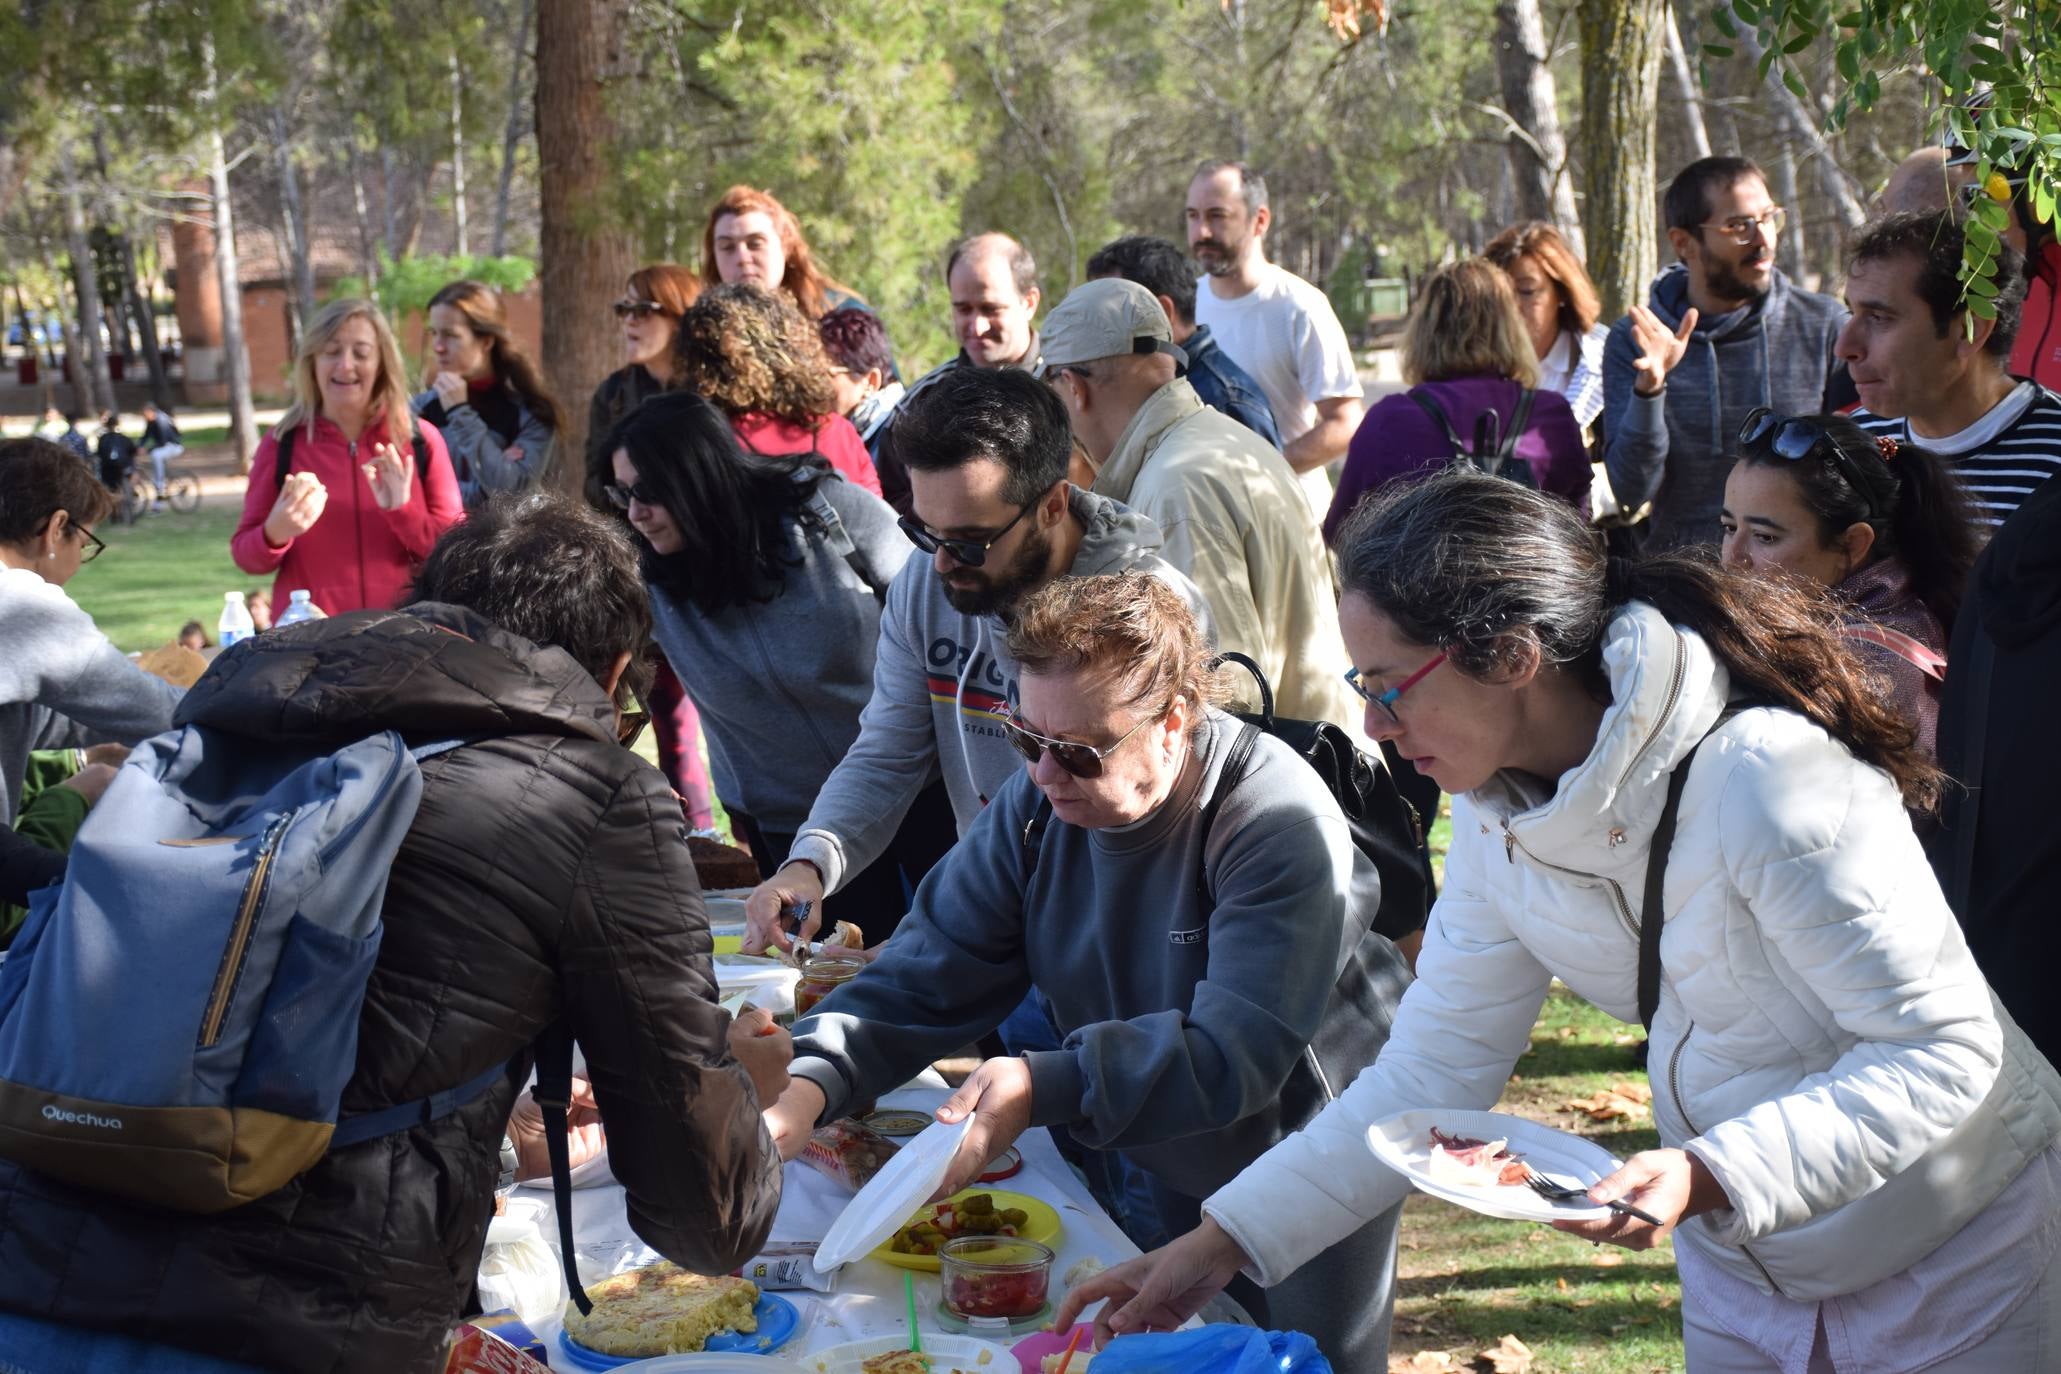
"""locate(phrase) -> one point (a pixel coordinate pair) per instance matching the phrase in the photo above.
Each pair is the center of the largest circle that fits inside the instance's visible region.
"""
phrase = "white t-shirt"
(1285, 334)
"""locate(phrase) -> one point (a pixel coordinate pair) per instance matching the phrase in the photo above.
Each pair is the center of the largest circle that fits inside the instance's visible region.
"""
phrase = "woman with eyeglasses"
(62, 684)
(751, 352)
(1677, 790)
(1882, 524)
(767, 577)
(1179, 891)
(650, 309)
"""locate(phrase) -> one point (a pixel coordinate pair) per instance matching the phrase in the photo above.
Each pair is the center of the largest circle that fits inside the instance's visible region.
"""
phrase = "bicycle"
(138, 494)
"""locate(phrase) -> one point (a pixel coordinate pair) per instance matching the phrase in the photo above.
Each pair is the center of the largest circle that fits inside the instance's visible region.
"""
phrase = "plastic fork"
(1560, 1192)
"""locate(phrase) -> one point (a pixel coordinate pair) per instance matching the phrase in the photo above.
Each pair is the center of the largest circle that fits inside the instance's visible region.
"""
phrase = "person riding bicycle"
(161, 441)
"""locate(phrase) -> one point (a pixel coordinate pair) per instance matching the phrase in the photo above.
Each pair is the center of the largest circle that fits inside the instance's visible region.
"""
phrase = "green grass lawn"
(162, 572)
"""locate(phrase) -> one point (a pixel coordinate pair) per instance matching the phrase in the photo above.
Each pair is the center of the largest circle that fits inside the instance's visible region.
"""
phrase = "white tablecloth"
(868, 1299)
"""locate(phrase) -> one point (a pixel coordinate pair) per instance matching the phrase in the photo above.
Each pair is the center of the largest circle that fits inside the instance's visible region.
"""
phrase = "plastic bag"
(1213, 1350)
(849, 1152)
(518, 1269)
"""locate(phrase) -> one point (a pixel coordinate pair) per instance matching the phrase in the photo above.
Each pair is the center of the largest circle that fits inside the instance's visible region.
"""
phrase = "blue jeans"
(29, 1346)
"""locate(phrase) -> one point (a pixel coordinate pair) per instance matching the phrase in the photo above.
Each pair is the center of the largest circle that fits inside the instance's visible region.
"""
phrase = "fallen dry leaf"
(1637, 1092)
(1423, 1362)
(1607, 1259)
(1561, 1283)
(1609, 1105)
(1507, 1356)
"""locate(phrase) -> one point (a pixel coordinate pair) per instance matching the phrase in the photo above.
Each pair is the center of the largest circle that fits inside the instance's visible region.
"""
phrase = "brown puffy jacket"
(546, 875)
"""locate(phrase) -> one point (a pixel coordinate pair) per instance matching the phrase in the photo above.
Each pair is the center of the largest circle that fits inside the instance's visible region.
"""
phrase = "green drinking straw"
(909, 1292)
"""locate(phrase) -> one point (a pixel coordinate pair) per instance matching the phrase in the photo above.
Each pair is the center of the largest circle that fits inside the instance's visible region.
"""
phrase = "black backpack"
(1495, 448)
(284, 464)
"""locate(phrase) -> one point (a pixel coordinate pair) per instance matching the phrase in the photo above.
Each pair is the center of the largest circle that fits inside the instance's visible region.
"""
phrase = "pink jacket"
(357, 556)
(836, 440)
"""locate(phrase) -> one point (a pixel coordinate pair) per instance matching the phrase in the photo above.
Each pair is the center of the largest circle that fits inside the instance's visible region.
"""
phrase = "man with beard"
(987, 453)
(1272, 323)
(1724, 332)
(993, 280)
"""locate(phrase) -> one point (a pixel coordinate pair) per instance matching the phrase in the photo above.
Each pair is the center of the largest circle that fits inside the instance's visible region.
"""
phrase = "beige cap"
(1104, 319)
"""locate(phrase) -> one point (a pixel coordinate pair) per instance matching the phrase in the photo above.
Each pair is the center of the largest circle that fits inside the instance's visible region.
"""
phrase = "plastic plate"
(1403, 1142)
(1042, 1225)
(778, 1320)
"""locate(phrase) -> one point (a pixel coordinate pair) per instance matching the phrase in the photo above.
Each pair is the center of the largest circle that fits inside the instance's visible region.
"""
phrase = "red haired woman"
(752, 238)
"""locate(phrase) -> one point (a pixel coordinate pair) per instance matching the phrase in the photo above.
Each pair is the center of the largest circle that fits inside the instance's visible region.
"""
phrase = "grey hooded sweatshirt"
(938, 677)
(1212, 985)
(1674, 449)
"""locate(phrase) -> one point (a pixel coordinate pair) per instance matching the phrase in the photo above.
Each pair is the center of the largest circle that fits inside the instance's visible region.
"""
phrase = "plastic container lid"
(897, 1190)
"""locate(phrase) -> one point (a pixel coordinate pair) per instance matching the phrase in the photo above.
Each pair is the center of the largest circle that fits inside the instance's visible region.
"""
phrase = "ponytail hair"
(1483, 568)
(1908, 495)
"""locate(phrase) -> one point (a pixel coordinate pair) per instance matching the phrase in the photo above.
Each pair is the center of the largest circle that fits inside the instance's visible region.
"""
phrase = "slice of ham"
(1474, 1163)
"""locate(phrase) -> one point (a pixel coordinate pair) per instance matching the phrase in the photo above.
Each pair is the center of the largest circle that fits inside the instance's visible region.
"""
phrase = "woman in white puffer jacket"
(1859, 1147)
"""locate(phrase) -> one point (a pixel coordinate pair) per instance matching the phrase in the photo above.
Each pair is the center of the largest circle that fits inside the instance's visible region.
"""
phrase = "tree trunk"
(458, 156)
(1688, 91)
(386, 200)
(367, 253)
(512, 134)
(137, 299)
(293, 212)
(584, 253)
(1789, 247)
(1621, 46)
(1538, 150)
(90, 362)
(243, 418)
(1799, 125)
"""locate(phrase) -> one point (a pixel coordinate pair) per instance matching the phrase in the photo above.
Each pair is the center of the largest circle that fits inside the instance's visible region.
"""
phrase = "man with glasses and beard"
(987, 454)
(1723, 331)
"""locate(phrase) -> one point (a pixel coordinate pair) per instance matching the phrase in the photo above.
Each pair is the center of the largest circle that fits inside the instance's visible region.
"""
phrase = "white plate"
(881, 1207)
(725, 914)
(711, 1363)
(951, 1352)
(1403, 1142)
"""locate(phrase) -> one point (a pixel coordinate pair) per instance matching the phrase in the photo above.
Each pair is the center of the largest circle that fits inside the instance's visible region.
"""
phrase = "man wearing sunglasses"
(986, 453)
(1723, 331)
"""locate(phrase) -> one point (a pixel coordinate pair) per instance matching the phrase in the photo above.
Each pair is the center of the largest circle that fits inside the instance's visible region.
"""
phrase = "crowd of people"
(1679, 611)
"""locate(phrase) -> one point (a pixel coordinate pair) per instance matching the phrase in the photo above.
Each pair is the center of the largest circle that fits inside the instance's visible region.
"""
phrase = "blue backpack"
(178, 1018)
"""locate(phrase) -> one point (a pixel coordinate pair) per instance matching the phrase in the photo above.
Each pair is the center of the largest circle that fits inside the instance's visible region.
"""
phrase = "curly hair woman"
(762, 363)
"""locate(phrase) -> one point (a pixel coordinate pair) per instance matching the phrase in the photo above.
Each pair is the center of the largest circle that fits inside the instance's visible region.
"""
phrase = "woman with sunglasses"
(1191, 930)
(652, 303)
(62, 684)
(1677, 790)
(767, 577)
(1882, 524)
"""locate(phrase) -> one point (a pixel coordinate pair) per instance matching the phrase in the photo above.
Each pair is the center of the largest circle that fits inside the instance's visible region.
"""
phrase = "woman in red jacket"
(750, 351)
(353, 443)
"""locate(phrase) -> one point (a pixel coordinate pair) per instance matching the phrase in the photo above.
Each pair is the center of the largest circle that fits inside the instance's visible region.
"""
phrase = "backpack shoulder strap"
(839, 541)
(1910, 650)
(421, 447)
(1652, 914)
(1439, 417)
(284, 455)
(1520, 420)
(1232, 773)
(553, 1096)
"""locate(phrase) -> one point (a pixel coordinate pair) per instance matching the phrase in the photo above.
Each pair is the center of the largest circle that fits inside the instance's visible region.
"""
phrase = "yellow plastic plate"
(1041, 1225)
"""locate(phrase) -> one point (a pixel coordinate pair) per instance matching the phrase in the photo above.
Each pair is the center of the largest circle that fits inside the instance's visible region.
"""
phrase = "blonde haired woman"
(351, 441)
(1467, 356)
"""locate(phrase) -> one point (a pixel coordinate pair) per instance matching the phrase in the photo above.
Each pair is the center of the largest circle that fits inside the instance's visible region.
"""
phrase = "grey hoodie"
(1674, 449)
(780, 683)
(938, 676)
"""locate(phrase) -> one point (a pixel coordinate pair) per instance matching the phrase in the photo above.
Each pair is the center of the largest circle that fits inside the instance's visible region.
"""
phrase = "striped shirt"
(2000, 458)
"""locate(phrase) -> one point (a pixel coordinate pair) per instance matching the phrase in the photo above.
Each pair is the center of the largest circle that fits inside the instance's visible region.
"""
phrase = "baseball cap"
(1103, 319)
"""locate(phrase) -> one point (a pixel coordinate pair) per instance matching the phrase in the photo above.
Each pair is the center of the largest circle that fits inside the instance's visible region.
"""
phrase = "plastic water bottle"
(299, 608)
(235, 625)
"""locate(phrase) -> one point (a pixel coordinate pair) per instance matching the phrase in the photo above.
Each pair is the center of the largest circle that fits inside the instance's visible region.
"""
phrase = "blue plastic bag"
(1213, 1350)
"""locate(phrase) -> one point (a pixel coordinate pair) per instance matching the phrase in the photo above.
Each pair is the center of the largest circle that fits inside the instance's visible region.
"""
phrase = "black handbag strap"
(553, 1095)
(1982, 657)
(1652, 913)
(1520, 420)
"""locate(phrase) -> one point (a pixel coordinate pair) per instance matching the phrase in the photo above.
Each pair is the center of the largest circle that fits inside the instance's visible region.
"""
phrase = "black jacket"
(1998, 850)
(620, 392)
(546, 875)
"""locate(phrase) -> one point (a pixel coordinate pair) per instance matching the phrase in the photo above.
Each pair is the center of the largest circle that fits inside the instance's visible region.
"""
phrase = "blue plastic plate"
(778, 1320)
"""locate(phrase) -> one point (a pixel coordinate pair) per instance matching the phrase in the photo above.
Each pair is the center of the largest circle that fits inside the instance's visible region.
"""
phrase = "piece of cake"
(661, 1310)
(719, 865)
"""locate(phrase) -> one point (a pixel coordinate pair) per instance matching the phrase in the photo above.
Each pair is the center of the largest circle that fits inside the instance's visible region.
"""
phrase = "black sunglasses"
(972, 553)
(1081, 760)
(1795, 438)
(641, 309)
(621, 496)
